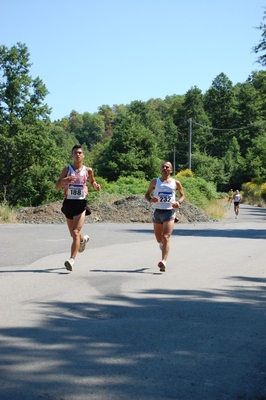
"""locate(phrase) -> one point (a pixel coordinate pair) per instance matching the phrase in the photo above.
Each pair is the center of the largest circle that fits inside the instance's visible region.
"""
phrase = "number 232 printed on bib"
(165, 197)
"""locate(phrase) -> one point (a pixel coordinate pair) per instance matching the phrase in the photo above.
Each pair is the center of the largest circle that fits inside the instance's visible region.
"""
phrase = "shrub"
(187, 173)
(249, 187)
(254, 193)
(263, 191)
(198, 191)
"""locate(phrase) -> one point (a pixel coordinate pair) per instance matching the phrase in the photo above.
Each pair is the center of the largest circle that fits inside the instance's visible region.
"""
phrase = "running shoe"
(82, 245)
(69, 264)
(162, 265)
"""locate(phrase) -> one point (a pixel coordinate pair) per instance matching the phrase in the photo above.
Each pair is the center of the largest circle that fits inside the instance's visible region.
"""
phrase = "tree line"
(226, 125)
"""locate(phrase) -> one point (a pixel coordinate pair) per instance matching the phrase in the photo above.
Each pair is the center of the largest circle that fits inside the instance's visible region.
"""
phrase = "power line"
(220, 129)
(190, 122)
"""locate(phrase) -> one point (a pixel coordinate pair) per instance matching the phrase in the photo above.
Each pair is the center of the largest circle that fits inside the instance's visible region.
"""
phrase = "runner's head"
(77, 153)
(166, 166)
(76, 148)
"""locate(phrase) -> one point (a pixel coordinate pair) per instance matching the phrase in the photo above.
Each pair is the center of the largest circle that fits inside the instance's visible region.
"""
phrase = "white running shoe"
(161, 246)
(69, 264)
(82, 245)
(162, 265)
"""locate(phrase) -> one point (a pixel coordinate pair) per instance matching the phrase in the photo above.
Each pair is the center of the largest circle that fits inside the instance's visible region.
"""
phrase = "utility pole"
(174, 161)
(189, 141)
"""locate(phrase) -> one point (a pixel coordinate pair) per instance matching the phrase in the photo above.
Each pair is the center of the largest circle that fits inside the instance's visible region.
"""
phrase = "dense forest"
(220, 134)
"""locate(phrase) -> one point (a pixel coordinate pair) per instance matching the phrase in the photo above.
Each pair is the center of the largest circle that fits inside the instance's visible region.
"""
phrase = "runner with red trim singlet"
(73, 180)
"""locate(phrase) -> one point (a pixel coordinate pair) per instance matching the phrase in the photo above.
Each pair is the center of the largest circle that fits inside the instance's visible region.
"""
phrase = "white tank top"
(78, 189)
(237, 198)
(166, 193)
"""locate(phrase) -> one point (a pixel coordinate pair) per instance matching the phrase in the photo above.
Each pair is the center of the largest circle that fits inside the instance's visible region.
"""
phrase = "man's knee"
(166, 236)
(75, 232)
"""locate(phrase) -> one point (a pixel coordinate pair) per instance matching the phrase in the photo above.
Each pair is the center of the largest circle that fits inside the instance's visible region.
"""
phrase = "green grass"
(217, 209)
(7, 214)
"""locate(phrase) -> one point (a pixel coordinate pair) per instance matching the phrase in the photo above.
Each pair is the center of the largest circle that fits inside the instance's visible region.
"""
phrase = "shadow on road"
(259, 212)
(206, 232)
(166, 344)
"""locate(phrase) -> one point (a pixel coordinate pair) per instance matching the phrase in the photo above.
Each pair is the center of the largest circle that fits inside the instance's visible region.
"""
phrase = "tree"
(256, 160)
(93, 129)
(220, 106)
(234, 165)
(209, 168)
(193, 107)
(75, 122)
(180, 140)
(258, 80)
(108, 116)
(27, 146)
(248, 118)
(132, 151)
(261, 47)
(151, 115)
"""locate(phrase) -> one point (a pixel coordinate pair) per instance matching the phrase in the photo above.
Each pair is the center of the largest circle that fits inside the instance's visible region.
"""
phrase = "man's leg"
(74, 227)
(168, 227)
(162, 234)
(158, 231)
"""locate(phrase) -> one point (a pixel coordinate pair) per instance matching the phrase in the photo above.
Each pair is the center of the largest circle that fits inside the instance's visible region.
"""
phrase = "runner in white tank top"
(73, 180)
(166, 193)
(165, 205)
(77, 189)
(237, 200)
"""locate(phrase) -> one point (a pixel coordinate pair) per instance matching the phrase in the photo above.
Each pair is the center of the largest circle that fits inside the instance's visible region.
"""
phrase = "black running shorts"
(72, 208)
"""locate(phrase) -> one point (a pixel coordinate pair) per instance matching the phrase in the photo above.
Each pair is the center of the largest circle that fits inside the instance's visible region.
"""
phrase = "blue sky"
(94, 52)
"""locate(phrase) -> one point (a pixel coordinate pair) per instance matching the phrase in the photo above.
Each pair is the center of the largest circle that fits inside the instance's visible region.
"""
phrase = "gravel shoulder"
(130, 209)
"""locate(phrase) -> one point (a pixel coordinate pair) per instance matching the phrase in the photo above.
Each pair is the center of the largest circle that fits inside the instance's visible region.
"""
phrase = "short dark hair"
(77, 146)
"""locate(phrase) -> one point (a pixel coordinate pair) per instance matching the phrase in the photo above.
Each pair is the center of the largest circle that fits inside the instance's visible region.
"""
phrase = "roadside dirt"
(130, 209)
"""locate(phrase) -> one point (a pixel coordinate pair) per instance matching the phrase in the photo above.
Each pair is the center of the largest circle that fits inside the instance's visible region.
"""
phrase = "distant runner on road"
(237, 200)
(230, 197)
(165, 205)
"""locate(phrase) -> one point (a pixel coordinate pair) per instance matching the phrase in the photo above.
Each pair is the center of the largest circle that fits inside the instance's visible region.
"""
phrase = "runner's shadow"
(248, 279)
(135, 271)
(40, 271)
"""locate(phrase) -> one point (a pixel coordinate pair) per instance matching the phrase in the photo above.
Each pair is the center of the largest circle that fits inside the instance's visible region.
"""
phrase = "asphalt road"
(118, 329)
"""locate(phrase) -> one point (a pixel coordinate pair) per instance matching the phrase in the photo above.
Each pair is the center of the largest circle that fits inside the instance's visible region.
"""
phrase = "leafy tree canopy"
(261, 47)
(25, 137)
